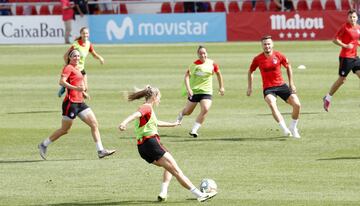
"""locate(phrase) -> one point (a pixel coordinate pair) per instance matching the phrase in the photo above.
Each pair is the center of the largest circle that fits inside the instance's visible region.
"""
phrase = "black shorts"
(282, 91)
(347, 64)
(199, 97)
(151, 149)
(71, 109)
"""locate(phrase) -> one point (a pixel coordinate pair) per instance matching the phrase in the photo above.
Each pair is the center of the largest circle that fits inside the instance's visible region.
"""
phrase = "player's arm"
(338, 42)
(250, 82)
(130, 118)
(167, 124)
(65, 84)
(97, 56)
(291, 80)
(187, 83)
(221, 83)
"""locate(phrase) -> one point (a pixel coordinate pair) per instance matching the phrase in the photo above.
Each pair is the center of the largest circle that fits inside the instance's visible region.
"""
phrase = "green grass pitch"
(240, 145)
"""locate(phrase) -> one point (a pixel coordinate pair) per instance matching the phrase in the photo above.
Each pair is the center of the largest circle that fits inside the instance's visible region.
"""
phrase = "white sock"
(179, 117)
(195, 127)
(164, 188)
(294, 123)
(99, 146)
(328, 97)
(283, 125)
(196, 192)
(46, 142)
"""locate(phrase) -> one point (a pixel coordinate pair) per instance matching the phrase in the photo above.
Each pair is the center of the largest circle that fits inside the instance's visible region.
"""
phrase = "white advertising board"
(36, 29)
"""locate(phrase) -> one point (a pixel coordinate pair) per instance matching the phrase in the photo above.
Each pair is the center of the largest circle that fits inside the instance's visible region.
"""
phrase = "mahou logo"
(119, 32)
(280, 22)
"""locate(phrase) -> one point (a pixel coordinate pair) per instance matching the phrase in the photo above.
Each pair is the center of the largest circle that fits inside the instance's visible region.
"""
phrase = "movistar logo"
(155, 28)
(119, 32)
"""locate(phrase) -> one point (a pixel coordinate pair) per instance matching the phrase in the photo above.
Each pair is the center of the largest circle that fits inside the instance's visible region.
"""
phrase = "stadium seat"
(179, 7)
(57, 10)
(260, 5)
(123, 9)
(44, 10)
(209, 7)
(166, 7)
(234, 7)
(247, 6)
(345, 5)
(19, 10)
(273, 7)
(302, 5)
(316, 5)
(220, 6)
(330, 5)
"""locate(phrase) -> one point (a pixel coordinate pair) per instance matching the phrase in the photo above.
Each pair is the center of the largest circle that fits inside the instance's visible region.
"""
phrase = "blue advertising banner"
(158, 28)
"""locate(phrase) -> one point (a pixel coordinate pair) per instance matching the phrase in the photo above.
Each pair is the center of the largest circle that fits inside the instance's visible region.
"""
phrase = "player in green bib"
(199, 88)
(84, 46)
(149, 146)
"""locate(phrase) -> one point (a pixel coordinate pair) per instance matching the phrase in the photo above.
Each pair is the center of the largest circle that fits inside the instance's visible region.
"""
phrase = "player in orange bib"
(269, 62)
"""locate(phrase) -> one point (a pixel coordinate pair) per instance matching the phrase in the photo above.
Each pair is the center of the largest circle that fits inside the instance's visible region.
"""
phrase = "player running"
(347, 38)
(199, 89)
(74, 105)
(269, 63)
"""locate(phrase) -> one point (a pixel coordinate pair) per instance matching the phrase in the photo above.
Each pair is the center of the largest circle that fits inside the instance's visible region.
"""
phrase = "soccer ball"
(208, 185)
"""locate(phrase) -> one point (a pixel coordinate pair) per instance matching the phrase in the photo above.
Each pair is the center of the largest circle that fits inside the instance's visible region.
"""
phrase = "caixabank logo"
(159, 28)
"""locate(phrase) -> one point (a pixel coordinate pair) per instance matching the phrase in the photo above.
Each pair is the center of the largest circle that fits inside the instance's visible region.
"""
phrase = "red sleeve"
(254, 64)
(91, 48)
(66, 71)
(339, 33)
(283, 60)
(216, 68)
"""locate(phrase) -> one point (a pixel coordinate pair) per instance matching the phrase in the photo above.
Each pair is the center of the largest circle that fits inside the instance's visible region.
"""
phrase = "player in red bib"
(269, 62)
(74, 105)
(347, 38)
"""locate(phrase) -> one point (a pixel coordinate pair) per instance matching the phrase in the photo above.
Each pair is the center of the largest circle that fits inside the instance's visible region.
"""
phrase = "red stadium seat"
(260, 6)
(179, 7)
(316, 5)
(302, 5)
(44, 10)
(247, 6)
(273, 6)
(234, 7)
(57, 10)
(166, 7)
(345, 5)
(220, 6)
(19, 10)
(330, 5)
(123, 9)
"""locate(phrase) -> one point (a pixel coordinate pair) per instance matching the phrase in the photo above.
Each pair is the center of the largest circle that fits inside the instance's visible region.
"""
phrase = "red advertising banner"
(306, 25)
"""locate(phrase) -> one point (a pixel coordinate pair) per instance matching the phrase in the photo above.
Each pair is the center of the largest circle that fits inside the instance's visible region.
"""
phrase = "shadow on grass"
(340, 158)
(281, 138)
(32, 161)
(289, 113)
(127, 202)
(35, 112)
